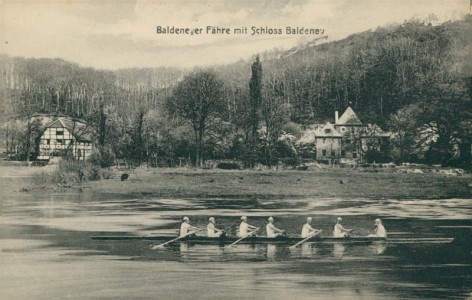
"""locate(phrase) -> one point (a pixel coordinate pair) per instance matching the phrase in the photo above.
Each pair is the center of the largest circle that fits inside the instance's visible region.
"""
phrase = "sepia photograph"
(236, 149)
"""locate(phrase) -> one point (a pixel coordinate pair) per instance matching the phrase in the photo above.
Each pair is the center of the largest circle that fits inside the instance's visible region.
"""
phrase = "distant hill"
(55, 86)
(376, 72)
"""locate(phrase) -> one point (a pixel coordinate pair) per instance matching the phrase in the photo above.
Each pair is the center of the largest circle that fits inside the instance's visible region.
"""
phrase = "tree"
(274, 114)
(448, 117)
(197, 100)
(255, 102)
(102, 123)
(404, 124)
(138, 151)
(12, 134)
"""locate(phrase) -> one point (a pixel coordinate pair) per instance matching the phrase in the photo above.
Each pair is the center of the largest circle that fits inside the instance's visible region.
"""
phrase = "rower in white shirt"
(307, 230)
(186, 228)
(244, 227)
(339, 230)
(273, 231)
(212, 231)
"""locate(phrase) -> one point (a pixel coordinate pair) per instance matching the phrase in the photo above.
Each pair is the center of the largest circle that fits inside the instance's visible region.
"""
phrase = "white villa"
(348, 139)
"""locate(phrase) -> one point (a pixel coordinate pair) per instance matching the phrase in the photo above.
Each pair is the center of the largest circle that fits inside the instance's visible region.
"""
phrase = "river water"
(47, 252)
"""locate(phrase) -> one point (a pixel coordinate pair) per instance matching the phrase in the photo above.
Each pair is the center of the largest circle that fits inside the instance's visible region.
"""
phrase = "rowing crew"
(245, 229)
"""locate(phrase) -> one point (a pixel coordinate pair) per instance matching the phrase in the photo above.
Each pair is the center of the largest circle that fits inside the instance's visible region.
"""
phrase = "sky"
(116, 34)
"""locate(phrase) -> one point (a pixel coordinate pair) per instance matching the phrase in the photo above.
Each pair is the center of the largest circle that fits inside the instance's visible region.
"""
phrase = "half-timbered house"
(65, 137)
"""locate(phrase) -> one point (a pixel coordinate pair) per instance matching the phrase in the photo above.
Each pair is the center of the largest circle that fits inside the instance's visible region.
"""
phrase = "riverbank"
(327, 183)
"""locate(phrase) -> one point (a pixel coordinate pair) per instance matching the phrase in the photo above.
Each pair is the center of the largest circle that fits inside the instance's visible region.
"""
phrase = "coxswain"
(307, 230)
(212, 231)
(339, 230)
(245, 228)
(273, 231)
(185, 227)
(380, 229)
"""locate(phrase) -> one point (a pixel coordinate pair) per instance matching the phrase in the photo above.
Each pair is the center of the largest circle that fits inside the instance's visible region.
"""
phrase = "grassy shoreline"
(328, 183)
(246, 184)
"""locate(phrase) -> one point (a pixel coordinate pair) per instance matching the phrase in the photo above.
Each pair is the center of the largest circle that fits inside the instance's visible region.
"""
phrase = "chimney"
(336, 117)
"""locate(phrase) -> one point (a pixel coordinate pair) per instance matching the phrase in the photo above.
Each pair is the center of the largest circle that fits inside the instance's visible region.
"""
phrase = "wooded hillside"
(413, 66)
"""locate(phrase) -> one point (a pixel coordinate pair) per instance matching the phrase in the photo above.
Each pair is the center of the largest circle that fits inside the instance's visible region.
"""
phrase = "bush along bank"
(67, 173)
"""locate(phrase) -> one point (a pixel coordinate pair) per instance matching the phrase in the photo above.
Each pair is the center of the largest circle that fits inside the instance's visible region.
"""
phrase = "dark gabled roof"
(349, 118)
(76, 128)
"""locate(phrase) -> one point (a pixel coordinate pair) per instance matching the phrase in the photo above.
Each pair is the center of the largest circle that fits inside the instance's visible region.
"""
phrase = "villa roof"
(349, 117)
(327, 130)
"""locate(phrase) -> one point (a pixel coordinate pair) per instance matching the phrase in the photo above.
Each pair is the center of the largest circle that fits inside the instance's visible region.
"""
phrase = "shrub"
(95, 158)
(69, 173)
(104, 158)
(106, 174)
(228, 166)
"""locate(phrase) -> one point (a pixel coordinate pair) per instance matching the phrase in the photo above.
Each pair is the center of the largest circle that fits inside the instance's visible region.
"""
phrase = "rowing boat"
(230, 239)
(278, 240)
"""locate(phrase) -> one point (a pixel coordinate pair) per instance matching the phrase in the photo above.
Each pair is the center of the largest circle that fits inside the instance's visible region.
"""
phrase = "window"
(343, 153)
(324, 152)
(327, 130)
(60, 132)
(333, 153)
(48, 141)
(354, 155)
(324, 140)
(60, 142)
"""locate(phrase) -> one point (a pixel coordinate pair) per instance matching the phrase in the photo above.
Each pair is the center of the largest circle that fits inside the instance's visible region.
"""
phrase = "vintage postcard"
(269, 149)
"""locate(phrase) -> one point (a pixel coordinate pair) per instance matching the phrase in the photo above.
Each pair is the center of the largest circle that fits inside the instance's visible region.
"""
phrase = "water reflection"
(184, 251)
(378, 247)
(276, 251)
(338, 250)
(200, 253)
(308, 250)
(60, 223)
(249, 252)
(271, 251)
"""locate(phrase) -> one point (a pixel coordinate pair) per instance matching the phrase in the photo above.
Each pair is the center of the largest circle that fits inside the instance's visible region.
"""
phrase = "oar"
(305, 239)
(247, 235)
(173, 240)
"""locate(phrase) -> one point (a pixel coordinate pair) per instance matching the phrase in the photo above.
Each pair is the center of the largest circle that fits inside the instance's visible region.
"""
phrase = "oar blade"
(156, 247)
(160, 246)
(306, 239)
(246, 236)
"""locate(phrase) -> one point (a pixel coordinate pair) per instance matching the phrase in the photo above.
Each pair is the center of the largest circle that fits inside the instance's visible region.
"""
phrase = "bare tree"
(197, 100)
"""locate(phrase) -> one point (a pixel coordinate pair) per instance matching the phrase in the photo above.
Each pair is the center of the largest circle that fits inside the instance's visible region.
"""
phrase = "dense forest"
(412, 79)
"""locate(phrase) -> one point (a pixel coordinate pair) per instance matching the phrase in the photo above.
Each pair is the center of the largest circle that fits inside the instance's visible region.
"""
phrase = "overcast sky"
(116, 34)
